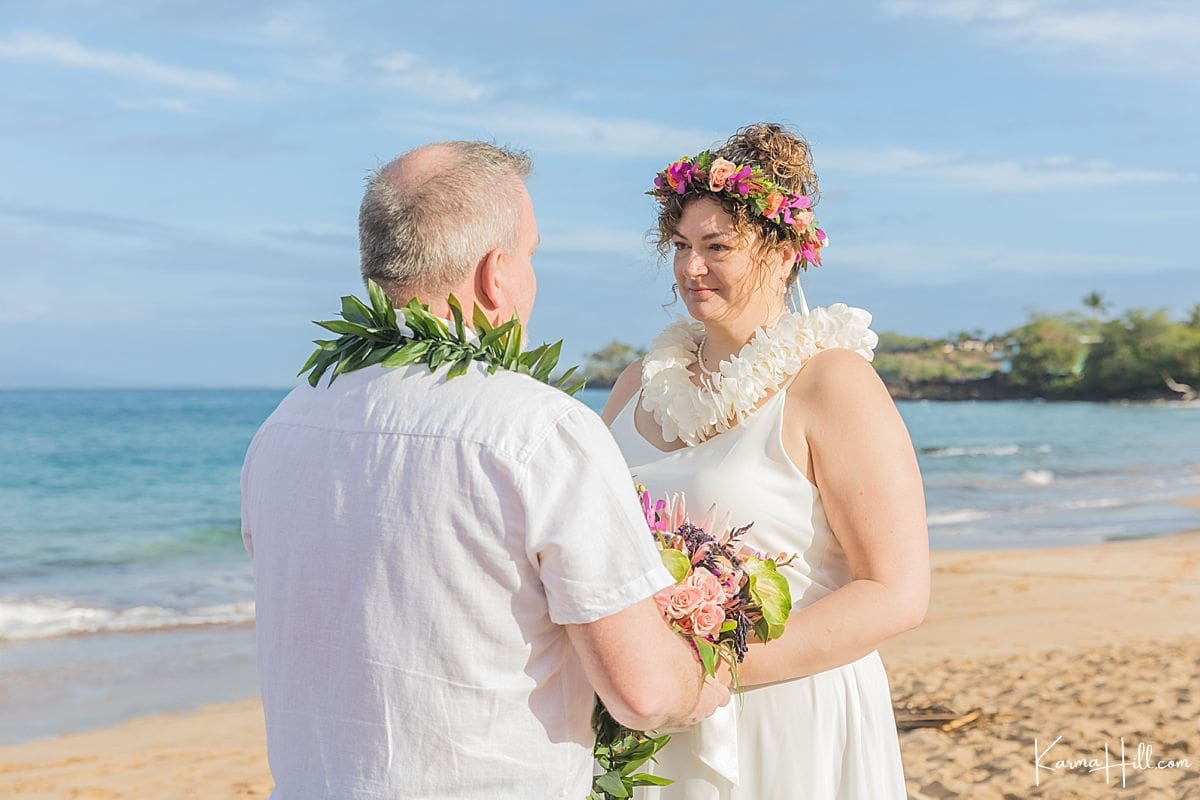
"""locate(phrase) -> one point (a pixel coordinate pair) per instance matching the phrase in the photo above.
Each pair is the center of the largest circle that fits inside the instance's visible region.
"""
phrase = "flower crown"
(748, 183)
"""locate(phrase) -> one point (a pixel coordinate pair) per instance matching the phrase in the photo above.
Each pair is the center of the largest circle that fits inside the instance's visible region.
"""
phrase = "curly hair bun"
(783, 155)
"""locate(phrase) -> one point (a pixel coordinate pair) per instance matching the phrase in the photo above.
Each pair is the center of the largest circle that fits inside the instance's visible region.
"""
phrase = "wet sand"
(1071, 647)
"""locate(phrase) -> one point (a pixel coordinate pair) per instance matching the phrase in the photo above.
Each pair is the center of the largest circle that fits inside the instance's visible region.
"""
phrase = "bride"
(779, 419)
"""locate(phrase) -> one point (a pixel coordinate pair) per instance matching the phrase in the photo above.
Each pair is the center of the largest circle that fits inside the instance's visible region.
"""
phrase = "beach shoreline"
(1080, 646)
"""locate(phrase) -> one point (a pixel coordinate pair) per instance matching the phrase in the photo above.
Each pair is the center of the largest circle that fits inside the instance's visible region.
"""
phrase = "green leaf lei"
(370, 335)
(621, 752)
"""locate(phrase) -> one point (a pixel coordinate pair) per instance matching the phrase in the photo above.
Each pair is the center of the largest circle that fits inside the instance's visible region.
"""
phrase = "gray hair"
(426, 227)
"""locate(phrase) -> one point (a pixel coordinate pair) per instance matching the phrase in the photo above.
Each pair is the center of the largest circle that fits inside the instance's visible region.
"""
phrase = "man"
(445, 569)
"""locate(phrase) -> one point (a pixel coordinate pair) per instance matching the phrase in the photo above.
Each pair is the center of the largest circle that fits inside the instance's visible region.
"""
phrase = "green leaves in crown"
(371, 335)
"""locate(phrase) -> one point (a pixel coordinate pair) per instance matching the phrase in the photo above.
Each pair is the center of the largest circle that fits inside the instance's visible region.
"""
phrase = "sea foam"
(45, 618)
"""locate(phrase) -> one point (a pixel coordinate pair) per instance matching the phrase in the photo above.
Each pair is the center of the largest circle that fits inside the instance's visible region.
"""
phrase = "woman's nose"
(694, 266)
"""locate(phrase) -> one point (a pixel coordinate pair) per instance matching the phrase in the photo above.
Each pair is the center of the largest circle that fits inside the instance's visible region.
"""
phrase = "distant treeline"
(1138, 355)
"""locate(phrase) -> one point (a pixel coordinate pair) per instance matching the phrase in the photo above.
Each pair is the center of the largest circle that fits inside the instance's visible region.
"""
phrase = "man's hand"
(646, 674)
(714, 693)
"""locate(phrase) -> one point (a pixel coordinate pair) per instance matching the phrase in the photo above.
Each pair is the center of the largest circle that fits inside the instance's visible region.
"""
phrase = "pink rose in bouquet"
(723, 593)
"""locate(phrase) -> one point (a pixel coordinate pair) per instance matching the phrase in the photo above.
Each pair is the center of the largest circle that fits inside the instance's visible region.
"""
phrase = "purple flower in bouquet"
(723, 592)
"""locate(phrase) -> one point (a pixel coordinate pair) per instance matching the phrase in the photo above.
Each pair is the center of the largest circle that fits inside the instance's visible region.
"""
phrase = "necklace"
(704, 370)
(733, 391)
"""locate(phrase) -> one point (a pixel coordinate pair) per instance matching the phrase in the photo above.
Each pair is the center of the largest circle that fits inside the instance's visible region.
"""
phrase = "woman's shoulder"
(626, 386)
(837, 378)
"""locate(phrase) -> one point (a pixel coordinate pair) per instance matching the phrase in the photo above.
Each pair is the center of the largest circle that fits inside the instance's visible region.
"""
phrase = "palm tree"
(1096, 302)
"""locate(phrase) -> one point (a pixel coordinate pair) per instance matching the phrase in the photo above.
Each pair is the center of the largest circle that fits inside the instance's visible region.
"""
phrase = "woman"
(779, 419)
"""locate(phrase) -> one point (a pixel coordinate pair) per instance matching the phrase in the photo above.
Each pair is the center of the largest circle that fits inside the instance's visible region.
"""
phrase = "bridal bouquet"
(724, 591)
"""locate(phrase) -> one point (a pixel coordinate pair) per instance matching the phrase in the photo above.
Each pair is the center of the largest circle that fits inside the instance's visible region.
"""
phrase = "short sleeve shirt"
(418, 545)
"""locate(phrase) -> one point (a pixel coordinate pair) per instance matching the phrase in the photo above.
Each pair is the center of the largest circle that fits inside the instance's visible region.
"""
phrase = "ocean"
(121, 519)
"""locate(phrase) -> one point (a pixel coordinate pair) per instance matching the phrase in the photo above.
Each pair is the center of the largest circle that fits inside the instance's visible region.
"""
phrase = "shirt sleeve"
(585, 530)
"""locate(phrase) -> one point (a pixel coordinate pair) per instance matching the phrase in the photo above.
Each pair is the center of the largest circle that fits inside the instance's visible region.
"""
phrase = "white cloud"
(1052, 173)
(301, 46)
(340, 237)
(550, 130)
(64, 52)
(617, 242)
(414, 74)
(932, 264)
(171, 104)
(1159, 37)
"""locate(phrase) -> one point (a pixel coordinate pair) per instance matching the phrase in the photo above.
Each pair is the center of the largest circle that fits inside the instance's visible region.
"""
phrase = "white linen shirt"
(418, 545)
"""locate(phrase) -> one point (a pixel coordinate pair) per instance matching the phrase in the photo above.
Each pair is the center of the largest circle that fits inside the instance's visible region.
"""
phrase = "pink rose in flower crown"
(707, 620)
(803, 218)
(719, 172)
(682, 601)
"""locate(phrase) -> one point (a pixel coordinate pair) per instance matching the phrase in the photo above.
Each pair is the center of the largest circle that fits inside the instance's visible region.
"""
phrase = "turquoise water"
(121, 507)
(120, 515)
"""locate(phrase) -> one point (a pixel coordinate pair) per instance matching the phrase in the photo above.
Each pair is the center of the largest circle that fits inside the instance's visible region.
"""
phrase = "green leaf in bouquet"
(766, 632)
(646, 779)
(769, 590)
(677, 563)
(728, 625)
(708, 655)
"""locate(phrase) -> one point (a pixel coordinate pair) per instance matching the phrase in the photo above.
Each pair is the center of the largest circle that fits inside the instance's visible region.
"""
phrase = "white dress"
(829, 736)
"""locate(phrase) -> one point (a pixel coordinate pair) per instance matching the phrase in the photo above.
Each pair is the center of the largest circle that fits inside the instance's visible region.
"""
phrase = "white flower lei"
(691, 413)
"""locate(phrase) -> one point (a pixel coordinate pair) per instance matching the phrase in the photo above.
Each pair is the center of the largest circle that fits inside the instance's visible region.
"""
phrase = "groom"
(445, 570)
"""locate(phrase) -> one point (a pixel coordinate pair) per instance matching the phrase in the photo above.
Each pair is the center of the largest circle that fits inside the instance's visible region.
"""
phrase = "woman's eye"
(680, 245)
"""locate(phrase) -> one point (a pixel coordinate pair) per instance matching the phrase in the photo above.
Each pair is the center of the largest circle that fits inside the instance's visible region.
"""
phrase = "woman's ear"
(787, 263)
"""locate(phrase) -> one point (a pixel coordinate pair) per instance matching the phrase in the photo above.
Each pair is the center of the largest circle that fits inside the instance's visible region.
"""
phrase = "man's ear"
(490, 291)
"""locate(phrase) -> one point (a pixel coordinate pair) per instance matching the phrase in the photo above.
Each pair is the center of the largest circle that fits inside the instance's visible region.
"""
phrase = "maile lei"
(370, 334)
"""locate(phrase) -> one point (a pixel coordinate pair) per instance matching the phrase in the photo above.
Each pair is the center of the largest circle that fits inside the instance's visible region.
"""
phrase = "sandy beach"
(1075, 648)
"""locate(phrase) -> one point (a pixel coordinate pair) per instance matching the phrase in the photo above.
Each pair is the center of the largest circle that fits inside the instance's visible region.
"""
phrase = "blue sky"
(180, 181)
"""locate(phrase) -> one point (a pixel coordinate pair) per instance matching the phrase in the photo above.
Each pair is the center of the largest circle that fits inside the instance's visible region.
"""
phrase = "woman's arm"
(628, 383)
(846, 425)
